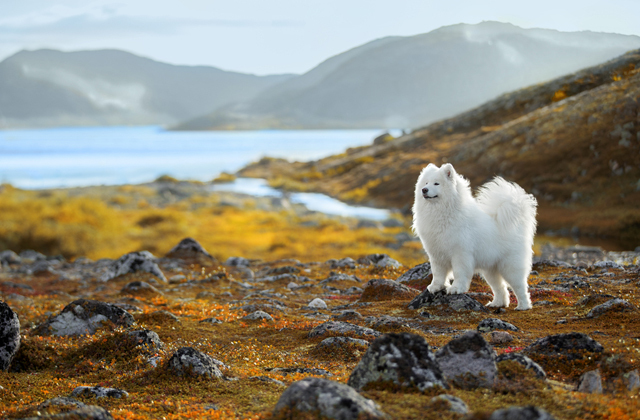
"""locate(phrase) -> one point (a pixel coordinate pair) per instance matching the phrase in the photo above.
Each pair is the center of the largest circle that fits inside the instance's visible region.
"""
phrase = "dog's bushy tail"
(513, 209)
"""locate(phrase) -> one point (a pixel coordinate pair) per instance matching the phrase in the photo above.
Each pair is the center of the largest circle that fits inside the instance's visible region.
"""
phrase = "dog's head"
(435, 183)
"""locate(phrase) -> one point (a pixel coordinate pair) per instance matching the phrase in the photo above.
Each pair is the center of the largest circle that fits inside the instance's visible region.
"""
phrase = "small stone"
(99, 392)
(524, 361)
(211, 321)
(348, 316)
(490, 324)
(341, 341)
(611, 306)
(147, 339)
(521, 413)
(500, 337)
(9, 257)
(189, 361)
(383, 289)
(189, 249)
(237, 262)
(9, 335)
(404, 360)
(339, 327)
(317, 303)
(456, 405)
(344, 263)
(140, 288)
(590, 382)
(326, 399)
(468, 361)
(379, 260)
(258, 316)
(134, 262)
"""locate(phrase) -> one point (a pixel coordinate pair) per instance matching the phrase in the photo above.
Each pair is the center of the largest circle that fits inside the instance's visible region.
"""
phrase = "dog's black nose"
(425, 190)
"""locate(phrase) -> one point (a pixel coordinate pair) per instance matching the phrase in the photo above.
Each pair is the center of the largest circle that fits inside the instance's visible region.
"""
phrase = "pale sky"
(276, 36)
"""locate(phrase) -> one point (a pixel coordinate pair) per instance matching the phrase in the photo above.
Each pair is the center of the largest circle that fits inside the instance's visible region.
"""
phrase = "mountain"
(574, 142)
(106, 87)
(401, 82)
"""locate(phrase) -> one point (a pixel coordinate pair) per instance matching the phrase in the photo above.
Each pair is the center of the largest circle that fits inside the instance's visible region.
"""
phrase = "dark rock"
(31, 256)
(237, 262)
(402, 359)
(521, 413)
(189, 361)
(287, 269)
(127, 307)
(383, 289)
(348, 316)
(326, 399)
(608, 264)
(572, 346)
(500, 337)
(258, 316)
(341, 328)
(461, 302)
(159, 317)
(189, 249)
(524, 361)
(84, 316)
(211, 321)
(455, 404)
(132, 263)
(9, 257)
(99, 392)
(60, 402)
(490, 324)
(353, 290)
(343, 263)
(306, 371)
(9, 335)
(379, 260)
(271, 309)
(340, 277)
(147, 339)
(342, 341)
(85, 412)
(140, 288)
(468, 361)
(592, 299)
(387, 321)
(611, 306)
(267, 379)
(590, 382)
(419, 272)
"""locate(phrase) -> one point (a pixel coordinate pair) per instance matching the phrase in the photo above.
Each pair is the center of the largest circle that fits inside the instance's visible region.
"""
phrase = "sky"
(276, 36)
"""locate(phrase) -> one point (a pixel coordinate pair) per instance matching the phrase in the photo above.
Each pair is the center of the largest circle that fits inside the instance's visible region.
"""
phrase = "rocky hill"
(111, 87)
(401, 82)
(573, 142)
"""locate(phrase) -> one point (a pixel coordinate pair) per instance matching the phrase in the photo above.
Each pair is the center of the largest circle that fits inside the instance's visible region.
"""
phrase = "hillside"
(111, 87)
(573, 142)
(401, 82)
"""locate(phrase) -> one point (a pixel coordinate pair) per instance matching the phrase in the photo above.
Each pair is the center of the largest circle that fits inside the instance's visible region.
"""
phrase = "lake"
(82, 156)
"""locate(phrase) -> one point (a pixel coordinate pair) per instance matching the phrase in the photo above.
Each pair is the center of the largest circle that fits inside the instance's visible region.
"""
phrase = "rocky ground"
(187, 336)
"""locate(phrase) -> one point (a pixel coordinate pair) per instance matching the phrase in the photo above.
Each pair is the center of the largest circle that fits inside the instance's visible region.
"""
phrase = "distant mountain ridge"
(398, 82)
(112, 87)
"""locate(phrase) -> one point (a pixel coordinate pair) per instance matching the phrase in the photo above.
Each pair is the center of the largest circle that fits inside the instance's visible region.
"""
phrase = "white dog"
(491, 234)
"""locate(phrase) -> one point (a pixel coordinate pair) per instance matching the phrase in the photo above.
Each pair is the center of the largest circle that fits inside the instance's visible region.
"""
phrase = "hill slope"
(50, 88)
(410, 81)
(574, 142)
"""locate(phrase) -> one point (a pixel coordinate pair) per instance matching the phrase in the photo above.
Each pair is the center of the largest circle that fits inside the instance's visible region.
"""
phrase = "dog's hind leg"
(517, 278)
(499, 289)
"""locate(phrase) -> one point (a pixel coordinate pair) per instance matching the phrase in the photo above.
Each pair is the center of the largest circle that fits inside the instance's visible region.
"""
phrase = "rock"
(258, 316)
(342, 341)
(85, 412)
(9, 335)
(608, 264)
(244, 273)
(631, 380)
(325, 399)
(317, 303)
(132, 263)
(206, 296)
(287, 371)
(592, 299)
(571, 346)
(9, 257)
(84, 316)
(189, 249)
(348, 316)
(99, 392)
(140, 288)
(404, 360)
(521, 413)
(455, 404)
(524, 361)
(461, 302)
(344, 263)
(287, 269)
(383, 289)
(31, 256)
(490, 324)
(468, 361)
(237, 262)
(271, 309)
(590, 382)
(211, 321)
(353, 290)
(379, 260)
(339, 327)
(339, 277)
(159, 317)
(500, 337)
(611, 306)
(60, 402)
(147, 339)
(189, 361)
(419, 272)
(267, 379)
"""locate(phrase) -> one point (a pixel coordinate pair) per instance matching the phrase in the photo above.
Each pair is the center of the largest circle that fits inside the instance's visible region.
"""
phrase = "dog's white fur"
(491, 234)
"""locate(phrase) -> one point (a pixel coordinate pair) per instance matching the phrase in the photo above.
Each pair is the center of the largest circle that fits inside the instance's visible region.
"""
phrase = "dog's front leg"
(462, 274)
(439, 281)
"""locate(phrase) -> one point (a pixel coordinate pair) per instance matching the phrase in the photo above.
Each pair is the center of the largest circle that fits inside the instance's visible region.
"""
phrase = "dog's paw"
(433, 288)
(494, 304)
(523, 307)
(455, 289)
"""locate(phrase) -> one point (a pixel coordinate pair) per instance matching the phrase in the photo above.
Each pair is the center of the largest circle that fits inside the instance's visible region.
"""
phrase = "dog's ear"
(448, 170)
(431, 165)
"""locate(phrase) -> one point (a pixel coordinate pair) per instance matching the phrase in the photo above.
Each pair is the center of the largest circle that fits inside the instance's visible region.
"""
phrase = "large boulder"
(85, 316)
(131, 263)
(404, 360)
(189, 361)
(325, 399)
(468, 361)
(9, 335)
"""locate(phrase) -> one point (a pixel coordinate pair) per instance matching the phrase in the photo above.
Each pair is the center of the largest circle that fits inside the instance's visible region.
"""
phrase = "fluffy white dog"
(491, 234)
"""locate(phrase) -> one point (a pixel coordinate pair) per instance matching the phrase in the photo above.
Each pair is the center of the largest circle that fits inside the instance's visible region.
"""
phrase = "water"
(313, 201)
(83, 156)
